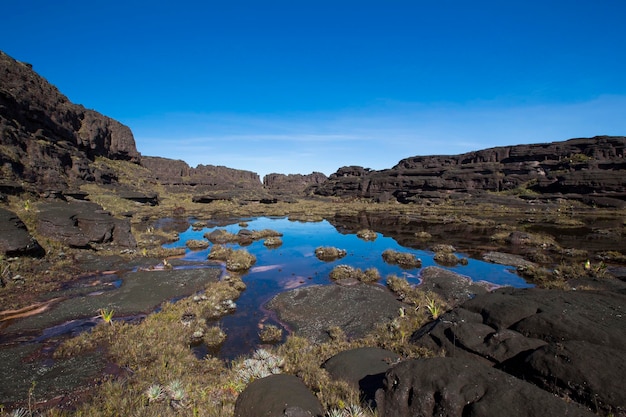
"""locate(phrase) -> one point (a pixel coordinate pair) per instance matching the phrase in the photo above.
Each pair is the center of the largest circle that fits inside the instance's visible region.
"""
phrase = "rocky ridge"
(588, 169)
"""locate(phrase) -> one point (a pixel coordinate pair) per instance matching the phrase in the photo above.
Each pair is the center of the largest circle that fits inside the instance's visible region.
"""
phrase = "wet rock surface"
(278, 396)
(356, 309)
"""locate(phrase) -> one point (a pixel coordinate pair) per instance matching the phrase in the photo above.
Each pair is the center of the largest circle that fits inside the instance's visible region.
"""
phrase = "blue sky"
(301, 86)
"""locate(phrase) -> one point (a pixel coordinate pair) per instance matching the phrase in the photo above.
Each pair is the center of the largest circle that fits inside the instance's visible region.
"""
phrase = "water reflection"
(293, 264)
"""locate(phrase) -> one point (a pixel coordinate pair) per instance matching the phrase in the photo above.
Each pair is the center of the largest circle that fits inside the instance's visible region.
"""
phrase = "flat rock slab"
(139, 292)
(459, 387)
(356, 309)
(452, 287)
(15, 239)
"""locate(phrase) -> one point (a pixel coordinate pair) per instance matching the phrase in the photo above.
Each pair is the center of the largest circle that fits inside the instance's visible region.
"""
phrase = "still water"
(293, 264)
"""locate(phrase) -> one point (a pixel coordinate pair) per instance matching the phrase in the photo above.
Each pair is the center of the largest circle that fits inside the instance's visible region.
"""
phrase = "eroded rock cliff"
(585, 168)
(47, 142)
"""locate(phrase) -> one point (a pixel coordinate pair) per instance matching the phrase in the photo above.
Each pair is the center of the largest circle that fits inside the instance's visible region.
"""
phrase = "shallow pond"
(294, 264)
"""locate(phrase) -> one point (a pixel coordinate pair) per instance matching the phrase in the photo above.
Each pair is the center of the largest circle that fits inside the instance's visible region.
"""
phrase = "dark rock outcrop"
(292, 184)
(363, 368)
(14, 237)
(570, 343)
(83, 224)
(277, 396)
(588, 169)
(49, 142)
(455, 387)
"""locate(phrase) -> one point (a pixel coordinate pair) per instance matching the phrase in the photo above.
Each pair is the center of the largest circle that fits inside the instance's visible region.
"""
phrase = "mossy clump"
(347, 272)
(403, 259)
(367, 234)
(272, 242)
(329, 254)
(237, 260)
(197, 244)
(271, 334)
(444, 255)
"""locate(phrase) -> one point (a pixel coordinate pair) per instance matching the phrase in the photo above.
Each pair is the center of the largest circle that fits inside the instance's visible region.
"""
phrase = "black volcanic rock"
(46, 141)
(585, 169)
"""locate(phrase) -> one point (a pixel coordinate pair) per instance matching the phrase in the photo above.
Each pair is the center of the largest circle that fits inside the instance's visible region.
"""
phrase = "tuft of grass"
(271, 334)
(106, 314)
(367, 234)
(403, 259)
(342, 272)
(328, 253)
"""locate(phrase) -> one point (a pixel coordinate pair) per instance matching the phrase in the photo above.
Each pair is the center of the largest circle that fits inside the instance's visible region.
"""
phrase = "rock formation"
(292, 184)
(589, 169)
(46, 141)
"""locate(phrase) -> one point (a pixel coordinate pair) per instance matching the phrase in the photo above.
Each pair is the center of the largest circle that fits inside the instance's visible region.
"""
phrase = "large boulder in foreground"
(570, 343)
(356, 309)
(15, 238)
(277, 396)
(455, 387)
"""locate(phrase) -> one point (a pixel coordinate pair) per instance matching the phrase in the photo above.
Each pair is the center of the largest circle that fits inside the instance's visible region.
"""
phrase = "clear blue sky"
(300, 86)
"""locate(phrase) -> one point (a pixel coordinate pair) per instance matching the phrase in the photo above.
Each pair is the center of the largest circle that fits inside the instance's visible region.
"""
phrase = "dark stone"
(356, 309)
(277, 396)
(81, 224)
(571, 343)
(461, 387)
(14, 237)
(578, 370)
(292, 184)
(452, 287)
(363, 368)
(48, 142)
(150, 199)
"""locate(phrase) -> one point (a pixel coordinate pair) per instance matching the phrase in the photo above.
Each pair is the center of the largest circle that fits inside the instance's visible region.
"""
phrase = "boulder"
(356, 309)
(454, 387)
(81, 224)
(363, 368)
(277, 396)
(15, 240)
(570, 343)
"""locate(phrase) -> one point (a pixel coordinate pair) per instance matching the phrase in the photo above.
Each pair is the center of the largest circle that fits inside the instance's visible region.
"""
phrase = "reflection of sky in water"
(296, 258)
(293, 264)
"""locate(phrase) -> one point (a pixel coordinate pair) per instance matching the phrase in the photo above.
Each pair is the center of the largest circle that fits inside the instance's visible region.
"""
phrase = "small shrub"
(272, 242)
(327, 253)
(271, 334)
(367, 234)
(403, 259)
(342, 272)
(196, 244)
